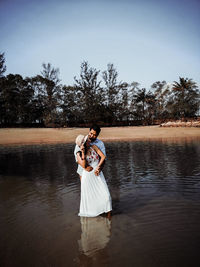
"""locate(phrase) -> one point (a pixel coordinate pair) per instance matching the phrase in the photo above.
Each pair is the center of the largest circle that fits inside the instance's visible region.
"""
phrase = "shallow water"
(155, 190)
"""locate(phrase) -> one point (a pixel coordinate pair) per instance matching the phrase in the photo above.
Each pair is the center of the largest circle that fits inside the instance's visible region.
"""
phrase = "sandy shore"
(30, 136)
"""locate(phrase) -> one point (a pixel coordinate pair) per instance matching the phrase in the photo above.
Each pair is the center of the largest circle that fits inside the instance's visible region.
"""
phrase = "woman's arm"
(81, 159)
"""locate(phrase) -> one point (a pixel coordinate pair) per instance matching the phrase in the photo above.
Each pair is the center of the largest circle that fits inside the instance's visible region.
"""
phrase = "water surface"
(155, 190)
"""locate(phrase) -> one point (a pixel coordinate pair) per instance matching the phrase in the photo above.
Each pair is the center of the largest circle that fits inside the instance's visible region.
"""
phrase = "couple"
(90, 154)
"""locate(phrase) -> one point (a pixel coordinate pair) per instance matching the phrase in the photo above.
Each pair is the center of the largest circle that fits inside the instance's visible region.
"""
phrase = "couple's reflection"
(95, 235)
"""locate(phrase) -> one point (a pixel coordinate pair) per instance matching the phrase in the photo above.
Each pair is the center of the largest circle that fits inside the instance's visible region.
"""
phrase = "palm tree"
(185, 97)
(144, 104)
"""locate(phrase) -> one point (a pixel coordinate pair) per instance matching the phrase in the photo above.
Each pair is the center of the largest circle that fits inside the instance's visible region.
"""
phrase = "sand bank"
(30, 136)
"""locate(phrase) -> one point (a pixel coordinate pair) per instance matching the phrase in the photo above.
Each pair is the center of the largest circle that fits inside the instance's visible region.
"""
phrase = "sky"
(146, 40)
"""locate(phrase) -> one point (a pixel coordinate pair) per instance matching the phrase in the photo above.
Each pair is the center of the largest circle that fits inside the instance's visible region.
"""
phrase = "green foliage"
(185, 98)
(16, 100)
(71, 110)
(111, 92)
(161, 92)
(2, 64)
(43, 100)
(89, 93)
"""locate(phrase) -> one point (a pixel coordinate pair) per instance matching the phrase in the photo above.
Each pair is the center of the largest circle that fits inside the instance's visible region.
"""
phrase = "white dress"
(95, 196)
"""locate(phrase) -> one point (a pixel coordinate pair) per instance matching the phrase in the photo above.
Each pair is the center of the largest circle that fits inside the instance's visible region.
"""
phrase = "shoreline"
(38, 136)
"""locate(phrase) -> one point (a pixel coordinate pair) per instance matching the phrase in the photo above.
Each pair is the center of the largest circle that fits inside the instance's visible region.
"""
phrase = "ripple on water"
(155, 193)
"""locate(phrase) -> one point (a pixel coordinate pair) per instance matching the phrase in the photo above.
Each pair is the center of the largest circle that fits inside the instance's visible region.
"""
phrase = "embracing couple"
(90, 155)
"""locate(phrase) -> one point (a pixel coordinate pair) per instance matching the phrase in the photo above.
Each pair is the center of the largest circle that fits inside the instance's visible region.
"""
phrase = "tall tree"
(134, 88)
(38, 103)
(50, 73)
(71, 106)
(2, 80)
(88, 89)
(50, 92)
(26, 94)
(124, 102)
(140, 102)
(10, 99)
(161, 93)
(143, 103)
(111, 91)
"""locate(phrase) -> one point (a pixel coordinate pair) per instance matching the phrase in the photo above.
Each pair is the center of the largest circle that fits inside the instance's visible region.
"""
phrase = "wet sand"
(31, 136)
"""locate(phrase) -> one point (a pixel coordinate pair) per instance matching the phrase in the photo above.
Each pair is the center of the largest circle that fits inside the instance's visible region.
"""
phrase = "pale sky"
(146, 40)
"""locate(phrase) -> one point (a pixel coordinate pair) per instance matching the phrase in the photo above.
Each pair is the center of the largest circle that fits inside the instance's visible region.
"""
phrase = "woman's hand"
(89, 168)
(97, 171)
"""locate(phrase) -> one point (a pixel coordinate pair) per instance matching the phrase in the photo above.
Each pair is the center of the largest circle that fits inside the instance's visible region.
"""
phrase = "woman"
(95, 196)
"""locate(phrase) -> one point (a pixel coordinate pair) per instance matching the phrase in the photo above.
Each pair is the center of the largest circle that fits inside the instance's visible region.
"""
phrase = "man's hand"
(89, 168)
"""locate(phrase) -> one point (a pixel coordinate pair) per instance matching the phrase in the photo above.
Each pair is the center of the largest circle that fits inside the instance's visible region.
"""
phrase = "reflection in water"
(95, 234)
(155, 189)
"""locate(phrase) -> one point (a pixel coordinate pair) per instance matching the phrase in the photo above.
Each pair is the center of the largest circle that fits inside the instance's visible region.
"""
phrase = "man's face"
(92, 136)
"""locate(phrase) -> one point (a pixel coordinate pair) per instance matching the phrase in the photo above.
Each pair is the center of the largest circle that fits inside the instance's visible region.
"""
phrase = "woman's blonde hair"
(79, 139)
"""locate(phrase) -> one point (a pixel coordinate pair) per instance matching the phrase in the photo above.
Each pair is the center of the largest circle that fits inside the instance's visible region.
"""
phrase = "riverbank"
(31, 136)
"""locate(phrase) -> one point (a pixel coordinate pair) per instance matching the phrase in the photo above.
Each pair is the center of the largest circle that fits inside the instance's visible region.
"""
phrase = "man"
(92, 137)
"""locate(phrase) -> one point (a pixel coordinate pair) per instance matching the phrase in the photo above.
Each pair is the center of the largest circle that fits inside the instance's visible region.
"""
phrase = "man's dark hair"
(96, 128)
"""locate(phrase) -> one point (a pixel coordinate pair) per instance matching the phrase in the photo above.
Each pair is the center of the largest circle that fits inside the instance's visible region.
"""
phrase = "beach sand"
(31, 136)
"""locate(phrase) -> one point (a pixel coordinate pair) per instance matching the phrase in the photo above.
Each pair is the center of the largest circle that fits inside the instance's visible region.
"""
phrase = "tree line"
(94, 97)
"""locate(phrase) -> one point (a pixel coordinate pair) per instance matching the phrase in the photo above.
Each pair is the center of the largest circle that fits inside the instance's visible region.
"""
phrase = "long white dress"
(95, 196)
